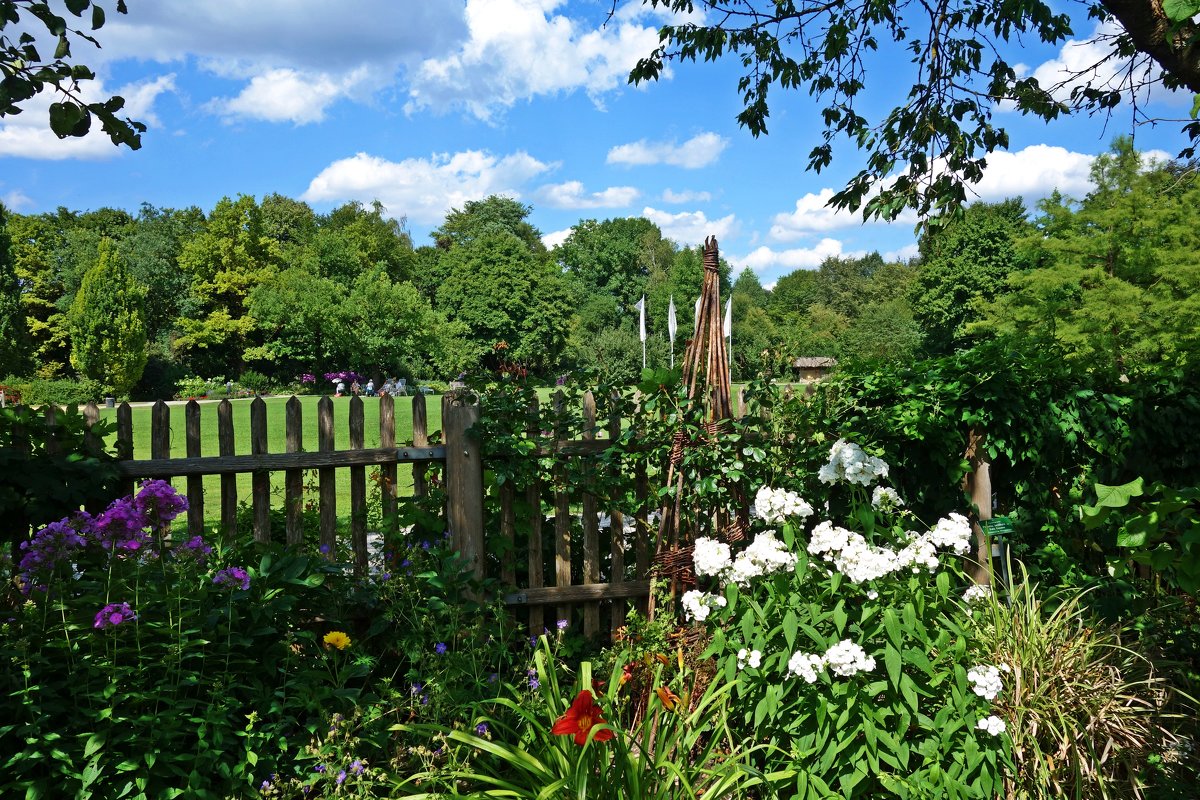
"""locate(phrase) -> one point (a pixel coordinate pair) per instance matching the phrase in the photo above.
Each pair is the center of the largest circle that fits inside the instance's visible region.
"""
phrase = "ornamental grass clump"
(842, 634)
(1086, 711)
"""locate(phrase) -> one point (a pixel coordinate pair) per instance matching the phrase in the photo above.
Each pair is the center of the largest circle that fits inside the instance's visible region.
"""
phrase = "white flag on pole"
(672, 326)
(728, 327)
(641, 307)
(696, 319)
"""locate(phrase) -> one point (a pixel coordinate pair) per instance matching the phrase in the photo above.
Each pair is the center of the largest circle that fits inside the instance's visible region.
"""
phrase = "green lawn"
(276, 440)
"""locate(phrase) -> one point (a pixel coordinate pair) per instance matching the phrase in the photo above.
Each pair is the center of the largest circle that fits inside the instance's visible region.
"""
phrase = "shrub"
(255, 382)
(56, 391)
(196, 387)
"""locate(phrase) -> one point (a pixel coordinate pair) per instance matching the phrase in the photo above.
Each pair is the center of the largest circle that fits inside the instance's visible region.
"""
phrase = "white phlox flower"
(848, 462)
(846, 658)
(885, 497)
(764, 556)
(862, 562)
(952, 533)
(993, 725)
(749, 658)
(711, 558)
(919, 552)
(806, 665)
(977, 594)
(778, 505)
(985, 681)
(698, 605)
(827, 539)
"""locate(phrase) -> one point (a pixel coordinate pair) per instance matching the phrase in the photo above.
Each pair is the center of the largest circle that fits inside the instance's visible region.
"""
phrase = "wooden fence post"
(420, 438)
(537, 565)
(125, 441)
(387, 482)
(562, 513)
(616, 530)
(464, 482)
(978, 483)
(591, 531)
(326, 476)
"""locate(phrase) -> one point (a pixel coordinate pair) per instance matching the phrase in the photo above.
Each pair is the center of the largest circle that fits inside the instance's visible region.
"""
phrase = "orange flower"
(669, 699)
(579, 719)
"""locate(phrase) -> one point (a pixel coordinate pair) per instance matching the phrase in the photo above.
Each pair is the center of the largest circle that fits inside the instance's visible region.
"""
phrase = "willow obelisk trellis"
(706, 375)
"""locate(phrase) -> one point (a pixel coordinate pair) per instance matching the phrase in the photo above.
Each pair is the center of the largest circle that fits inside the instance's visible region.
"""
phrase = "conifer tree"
(107, 324)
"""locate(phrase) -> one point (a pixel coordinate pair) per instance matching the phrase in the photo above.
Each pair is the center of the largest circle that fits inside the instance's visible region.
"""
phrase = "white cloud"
(764, 258)
(15, 200)
(555, 238)
(287, 95)
(424, 189)
(1033, 173)
(811, 215)
(686, 196)
(572, 195)
(519, 49)
(905, 253)
(28, 134)
(699, 151)
(690, 228)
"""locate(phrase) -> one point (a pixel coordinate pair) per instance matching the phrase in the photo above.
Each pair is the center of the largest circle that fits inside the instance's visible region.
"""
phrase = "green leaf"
(790, 624)
(1181, 10)
(1117, 496)
(77, 7)
(97, 17)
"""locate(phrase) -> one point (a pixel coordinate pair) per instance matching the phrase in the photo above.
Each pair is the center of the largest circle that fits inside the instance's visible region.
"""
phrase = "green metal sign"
(997, 526)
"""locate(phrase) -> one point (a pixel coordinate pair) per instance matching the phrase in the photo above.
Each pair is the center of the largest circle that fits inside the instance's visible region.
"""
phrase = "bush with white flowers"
(849, 642)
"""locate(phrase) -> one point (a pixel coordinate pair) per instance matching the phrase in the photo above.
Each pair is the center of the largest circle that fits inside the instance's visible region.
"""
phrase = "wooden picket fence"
(579, 586)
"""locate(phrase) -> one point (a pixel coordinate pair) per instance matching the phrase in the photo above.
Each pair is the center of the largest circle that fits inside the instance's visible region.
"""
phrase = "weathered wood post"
(225, 447)
(978, 483)
(195, 483)
(591, 531)
(464, 480)
(260, 481)
(358, 489)
(293, 480)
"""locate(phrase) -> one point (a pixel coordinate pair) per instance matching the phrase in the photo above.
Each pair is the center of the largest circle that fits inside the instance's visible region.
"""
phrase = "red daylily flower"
(579, 719)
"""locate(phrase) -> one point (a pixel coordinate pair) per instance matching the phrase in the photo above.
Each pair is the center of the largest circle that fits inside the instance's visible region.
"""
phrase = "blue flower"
(440, 648)
(481, 729)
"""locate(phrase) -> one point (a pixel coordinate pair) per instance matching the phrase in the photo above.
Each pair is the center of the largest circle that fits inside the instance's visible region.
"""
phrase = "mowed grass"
(276, 441)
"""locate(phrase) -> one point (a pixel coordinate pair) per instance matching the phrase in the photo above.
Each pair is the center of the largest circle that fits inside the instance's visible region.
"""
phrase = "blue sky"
(426, 104)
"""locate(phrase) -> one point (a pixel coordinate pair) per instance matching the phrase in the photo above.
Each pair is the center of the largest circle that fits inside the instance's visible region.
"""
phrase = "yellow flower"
(337, 639)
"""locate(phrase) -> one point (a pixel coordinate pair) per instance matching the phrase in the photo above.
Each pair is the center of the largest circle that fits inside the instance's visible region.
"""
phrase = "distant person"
(341, 389)
(355, 388)
(371, 387)
(388, 388)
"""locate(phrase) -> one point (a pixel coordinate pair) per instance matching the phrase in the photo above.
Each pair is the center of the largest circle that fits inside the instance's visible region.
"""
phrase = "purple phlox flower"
(308, 377)
(265, 787)
(425, 699)
(324, 549)
(562, 624)
(387, 576)
(357, 767)
(481, 729)
(159, 503)
(416, 689)
(533, 640)
(424, 545)
(113, 615)
(51, 546)
(232, 577)
(319, 768)
(193, 548)
(122, 526)
(440, 648)
(533, 681)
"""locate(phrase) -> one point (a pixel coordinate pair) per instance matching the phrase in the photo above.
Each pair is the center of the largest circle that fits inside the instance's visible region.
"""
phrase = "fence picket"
(562, 513)
(91, 415)
(160, 431)
(358, 490)
(225, 446)
(616, 532)
(591, 530)
(464, 481)
(260, 482)
(326, 476)
(293, 479)
(508, 529)
(387, 472)
(536, 573)
(195, 483)
(50, 415)
(420, 434)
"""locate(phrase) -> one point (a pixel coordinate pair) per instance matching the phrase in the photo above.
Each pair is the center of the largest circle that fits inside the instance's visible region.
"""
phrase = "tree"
(25, 72)
(494, 214)
(14, 337)
(503, 292)
(107, 324)
(922, 152)
(964, 266)
(33, 242)
(1117, 275)
(614, 257)
(224, 263)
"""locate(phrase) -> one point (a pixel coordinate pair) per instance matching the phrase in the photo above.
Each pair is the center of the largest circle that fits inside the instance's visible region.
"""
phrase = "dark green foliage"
(107, 324)
(14, 335)
(50, 472)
